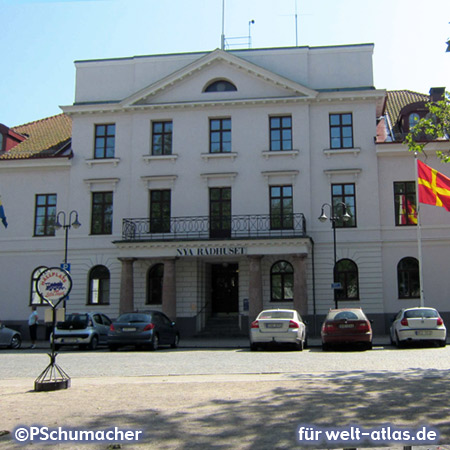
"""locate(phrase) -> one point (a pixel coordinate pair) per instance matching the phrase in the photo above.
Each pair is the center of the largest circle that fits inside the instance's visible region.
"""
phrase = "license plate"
(128, 329)
(69, 340)
(274, 325)
(423, 333)
(346, 325)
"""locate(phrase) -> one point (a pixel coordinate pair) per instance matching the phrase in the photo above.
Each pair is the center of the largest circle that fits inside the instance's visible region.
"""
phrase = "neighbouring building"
(198, 180)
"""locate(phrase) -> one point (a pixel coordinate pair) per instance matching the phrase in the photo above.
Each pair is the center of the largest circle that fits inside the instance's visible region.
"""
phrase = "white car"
(418, 324)
(278, 326)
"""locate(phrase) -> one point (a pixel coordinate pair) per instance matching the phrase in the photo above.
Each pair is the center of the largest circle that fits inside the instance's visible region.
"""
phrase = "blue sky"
(40, 39)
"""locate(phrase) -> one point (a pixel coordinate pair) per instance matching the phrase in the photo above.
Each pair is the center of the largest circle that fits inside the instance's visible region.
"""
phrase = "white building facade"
(198, 180)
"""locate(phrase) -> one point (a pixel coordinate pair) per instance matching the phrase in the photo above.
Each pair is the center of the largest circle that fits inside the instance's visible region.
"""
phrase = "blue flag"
(2, 214)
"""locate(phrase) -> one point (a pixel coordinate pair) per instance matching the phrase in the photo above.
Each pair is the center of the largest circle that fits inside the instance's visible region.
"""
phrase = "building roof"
(397, 100)
(45, 138)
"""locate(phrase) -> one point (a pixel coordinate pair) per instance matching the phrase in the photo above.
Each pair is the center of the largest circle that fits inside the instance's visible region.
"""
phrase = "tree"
(435, 126)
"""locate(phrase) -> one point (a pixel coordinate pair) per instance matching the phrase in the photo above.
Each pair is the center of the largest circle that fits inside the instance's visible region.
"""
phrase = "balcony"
(205, 228)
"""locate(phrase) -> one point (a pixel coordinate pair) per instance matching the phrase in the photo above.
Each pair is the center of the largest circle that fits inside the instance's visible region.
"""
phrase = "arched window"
(35, 298)
(282, 282)
(220, 86)
(155, 284)
(413, 119)
(99, 286)
(347, 275)
(408, 278)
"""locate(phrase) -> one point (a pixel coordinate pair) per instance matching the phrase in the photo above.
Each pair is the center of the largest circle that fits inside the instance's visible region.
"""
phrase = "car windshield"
(419, 313)
(345, 315)
(75, 321)
(276, 315)
(135, 318)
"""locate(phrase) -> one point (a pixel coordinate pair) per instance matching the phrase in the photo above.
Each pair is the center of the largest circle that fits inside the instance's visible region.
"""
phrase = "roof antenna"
(222, 38)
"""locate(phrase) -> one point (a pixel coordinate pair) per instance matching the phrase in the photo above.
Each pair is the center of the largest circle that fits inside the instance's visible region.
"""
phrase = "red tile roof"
(49, 137)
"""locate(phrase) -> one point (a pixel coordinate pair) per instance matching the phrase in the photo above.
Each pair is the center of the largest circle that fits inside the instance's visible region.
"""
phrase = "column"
(126, 285)
(169, 296)
(255, 290)
(300, 287)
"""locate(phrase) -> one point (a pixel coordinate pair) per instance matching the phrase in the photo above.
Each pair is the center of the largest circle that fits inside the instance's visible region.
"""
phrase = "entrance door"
(224, 288)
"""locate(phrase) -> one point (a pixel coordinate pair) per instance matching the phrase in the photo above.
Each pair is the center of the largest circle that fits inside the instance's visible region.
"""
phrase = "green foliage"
(435, 126)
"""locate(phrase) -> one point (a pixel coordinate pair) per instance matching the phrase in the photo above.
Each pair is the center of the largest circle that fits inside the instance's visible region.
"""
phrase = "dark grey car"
(143, 329)
(10, 338)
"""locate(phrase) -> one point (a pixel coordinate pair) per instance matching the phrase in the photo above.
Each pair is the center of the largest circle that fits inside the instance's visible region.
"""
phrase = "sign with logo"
(211, 251)
(54, 285)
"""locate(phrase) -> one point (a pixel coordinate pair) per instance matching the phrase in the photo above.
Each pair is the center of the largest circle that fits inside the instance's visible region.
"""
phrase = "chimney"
(437, 94)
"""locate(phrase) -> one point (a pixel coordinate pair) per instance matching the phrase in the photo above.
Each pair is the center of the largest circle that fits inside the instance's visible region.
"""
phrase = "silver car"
(278, 326)
(418, 324)
(10, 338)
(86, 329)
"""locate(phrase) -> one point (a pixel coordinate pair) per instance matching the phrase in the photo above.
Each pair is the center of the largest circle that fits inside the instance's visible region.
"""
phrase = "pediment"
(188, 84)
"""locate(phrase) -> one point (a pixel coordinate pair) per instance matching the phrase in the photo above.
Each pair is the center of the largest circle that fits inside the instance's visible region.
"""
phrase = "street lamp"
(67, 225)
(333, 218)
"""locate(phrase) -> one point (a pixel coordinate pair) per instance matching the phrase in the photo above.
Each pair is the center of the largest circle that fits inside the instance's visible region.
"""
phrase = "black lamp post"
(67, 225)
(333, 218)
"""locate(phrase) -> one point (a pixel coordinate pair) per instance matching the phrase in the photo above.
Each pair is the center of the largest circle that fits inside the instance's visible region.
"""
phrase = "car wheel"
(176, 341)
(94, 343)
(369, 346)
(16, 342)
(299, 346)
(398, 343)
(253, 347)
(442, 343)
(112, 347)
(154, 344)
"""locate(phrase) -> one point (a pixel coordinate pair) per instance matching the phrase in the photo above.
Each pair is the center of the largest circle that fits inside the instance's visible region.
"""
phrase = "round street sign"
(54, 285)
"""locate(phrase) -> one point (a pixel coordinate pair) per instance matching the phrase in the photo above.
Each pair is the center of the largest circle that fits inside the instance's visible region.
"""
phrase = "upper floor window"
(347, 275)
(162, 138)
(344, 193)
(405, 209)
(282, 282)
(45, 215)
(220, 135)
(408, 278)
(413, 119)
(102, 213)
(281, 208)
(160, 211)
(105, 139)
(341, 130)
(220, 86)
(99, 286)
(280, 133)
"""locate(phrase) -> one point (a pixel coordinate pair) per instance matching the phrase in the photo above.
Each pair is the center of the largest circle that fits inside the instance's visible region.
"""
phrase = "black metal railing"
(205, 228)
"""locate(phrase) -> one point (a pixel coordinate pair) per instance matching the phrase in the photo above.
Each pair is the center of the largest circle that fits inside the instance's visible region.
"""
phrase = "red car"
(346, 326)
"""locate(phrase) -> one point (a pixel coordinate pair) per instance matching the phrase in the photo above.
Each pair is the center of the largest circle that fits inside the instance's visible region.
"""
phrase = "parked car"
(278, 326)
(346, 326)
(418, 324)
(9, 338)
(85, 329)
(143, 329)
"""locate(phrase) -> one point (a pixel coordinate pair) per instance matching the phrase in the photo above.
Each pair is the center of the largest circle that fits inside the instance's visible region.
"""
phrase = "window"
(281, 208)
(220, 212)
(99, 286)
(344, 193)
(161, 138)
(220, 135)
(282, 282)
(280, 133)
(45, 215)
(35, 298)
(160, 211)
(341, 130)
(220, 86)
(412, 120)
(405, 209)
(1, 142)
(155, 284)
(102, 210)
(105, 138)
(347, 275)
(408, 278)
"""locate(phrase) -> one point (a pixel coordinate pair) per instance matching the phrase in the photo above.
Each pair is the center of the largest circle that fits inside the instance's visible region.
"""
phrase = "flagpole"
(419, 234)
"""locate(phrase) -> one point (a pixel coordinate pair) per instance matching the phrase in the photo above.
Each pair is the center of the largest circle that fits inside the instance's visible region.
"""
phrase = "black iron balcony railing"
(206, 228)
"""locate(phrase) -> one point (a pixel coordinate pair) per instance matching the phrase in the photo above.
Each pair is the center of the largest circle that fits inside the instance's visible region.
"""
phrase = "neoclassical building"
(198, 180)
